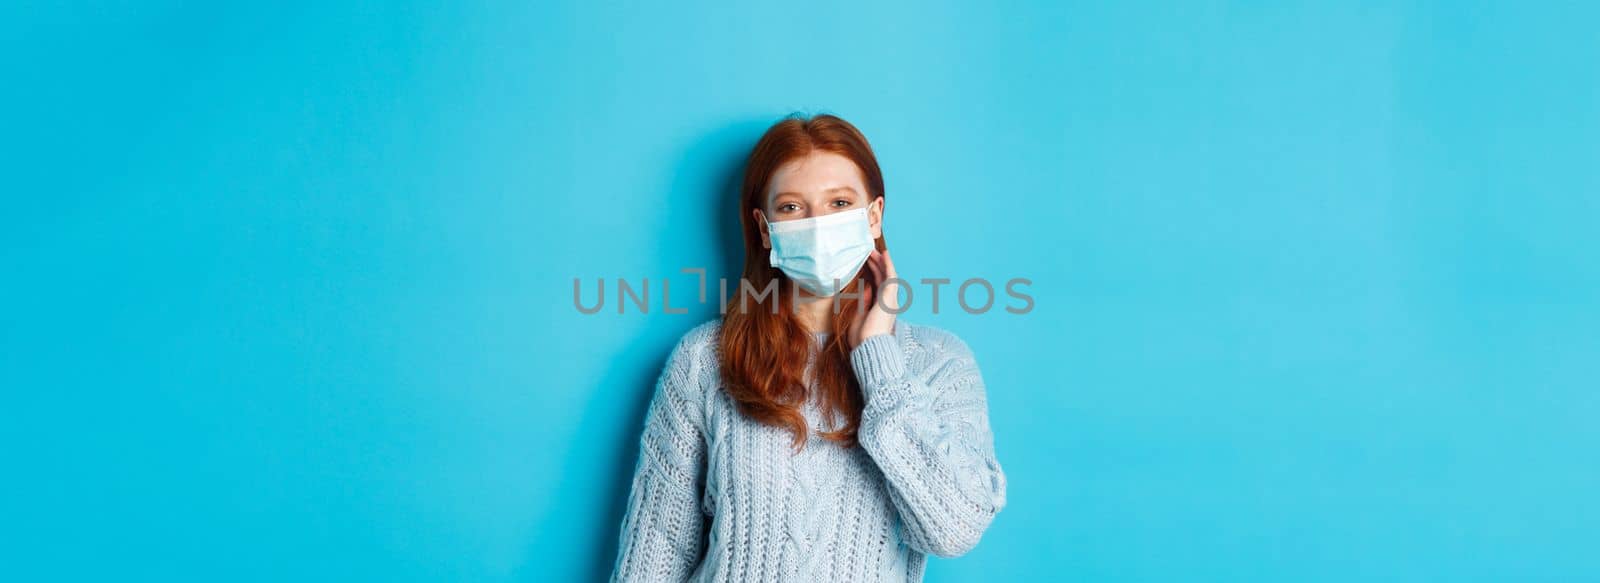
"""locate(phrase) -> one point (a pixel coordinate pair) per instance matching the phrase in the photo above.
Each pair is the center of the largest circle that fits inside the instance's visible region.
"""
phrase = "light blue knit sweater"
(718, 497)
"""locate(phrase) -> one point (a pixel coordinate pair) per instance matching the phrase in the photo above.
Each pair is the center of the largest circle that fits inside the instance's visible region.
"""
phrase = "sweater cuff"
(878, 360)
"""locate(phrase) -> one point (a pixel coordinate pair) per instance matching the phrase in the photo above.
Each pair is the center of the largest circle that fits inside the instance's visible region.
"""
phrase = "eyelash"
(789, 207)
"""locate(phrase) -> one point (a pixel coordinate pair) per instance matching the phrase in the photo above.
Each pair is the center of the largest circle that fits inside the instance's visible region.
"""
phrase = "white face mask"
(821, 254)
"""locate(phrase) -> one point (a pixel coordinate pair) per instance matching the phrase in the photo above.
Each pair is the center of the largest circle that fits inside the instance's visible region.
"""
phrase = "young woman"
(808, 435)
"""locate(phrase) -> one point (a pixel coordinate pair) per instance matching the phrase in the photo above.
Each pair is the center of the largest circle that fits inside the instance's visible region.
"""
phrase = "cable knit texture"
(717, 497)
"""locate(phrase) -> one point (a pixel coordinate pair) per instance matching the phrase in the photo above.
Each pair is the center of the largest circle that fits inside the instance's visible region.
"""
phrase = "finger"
(868, 294)
(885, 272)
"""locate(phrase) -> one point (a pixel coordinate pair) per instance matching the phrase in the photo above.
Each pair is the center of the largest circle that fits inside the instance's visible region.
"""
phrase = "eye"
(841, 203)
(788, 207)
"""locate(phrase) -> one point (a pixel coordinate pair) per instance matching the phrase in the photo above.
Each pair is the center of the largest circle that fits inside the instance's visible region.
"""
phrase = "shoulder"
(940, 357)
(931, 340)
(700, 342)
(695, 354)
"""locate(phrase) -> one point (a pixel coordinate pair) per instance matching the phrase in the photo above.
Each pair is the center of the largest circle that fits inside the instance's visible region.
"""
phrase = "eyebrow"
(828, 191)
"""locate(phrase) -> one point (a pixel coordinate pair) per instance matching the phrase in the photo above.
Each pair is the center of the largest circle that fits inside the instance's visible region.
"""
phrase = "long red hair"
(765, 348)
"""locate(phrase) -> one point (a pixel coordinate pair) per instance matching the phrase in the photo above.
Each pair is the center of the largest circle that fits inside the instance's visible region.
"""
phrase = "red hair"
(765, 347)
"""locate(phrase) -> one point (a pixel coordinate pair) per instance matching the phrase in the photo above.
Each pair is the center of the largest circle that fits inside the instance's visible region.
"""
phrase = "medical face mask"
(821, 254)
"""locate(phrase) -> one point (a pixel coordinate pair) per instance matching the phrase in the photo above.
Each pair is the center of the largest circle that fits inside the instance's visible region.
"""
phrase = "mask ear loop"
(766, 228)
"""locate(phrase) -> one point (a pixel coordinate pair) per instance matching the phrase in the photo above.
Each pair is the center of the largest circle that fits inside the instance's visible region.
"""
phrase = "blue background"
(288, 286)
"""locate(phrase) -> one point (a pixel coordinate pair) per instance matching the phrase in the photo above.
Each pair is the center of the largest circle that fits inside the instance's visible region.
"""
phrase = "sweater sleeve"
(929, 434)
(663, 532)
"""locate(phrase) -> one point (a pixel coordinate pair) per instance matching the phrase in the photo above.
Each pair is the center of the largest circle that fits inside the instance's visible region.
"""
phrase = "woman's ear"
(875, 217)
(761, 227)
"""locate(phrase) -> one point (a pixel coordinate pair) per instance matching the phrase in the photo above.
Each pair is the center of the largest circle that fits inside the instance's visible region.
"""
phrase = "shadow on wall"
(723, 155)
(713, 169)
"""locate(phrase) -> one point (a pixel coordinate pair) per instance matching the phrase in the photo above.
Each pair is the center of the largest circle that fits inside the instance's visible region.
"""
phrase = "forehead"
(815, 174)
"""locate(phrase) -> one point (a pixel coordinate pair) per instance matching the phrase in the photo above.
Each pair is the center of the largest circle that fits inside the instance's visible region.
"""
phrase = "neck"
(816, 313)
